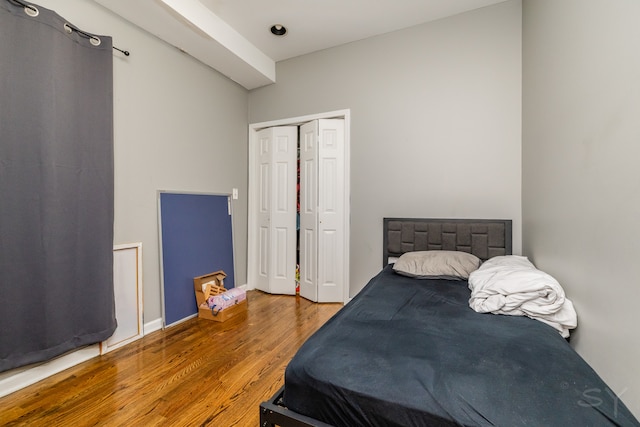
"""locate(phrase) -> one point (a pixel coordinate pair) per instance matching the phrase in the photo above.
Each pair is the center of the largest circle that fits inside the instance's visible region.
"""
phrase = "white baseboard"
(152, 326)
(19, 378)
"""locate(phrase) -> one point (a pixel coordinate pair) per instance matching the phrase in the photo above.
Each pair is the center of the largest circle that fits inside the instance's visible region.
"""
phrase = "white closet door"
(277, 209)
(264, 208)
(331, 218)
(308, 210)
(322, 218)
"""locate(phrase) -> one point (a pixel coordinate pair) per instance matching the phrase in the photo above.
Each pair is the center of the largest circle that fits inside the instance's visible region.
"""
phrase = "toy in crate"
(214, 301)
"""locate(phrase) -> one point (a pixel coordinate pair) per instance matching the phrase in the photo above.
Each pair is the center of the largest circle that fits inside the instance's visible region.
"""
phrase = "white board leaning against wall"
(127, 286)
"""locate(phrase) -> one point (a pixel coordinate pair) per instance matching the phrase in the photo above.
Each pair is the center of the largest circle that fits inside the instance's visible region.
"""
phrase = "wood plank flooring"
(197, 373)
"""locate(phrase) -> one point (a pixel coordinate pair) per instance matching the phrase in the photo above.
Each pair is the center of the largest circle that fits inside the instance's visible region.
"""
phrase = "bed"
(411, 352)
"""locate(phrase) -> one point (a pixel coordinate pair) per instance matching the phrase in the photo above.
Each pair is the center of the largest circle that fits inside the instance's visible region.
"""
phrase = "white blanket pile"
(512, 285)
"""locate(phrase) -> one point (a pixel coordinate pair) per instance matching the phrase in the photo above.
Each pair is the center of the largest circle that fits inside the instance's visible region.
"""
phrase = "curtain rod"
(69, 28)
(90, 36)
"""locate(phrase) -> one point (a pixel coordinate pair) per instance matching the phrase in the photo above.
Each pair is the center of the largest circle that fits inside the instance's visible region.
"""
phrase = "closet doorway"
(300, 221)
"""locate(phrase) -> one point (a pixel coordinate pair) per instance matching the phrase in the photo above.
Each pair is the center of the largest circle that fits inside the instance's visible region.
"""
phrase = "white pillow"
(509, 261)
(437, 264)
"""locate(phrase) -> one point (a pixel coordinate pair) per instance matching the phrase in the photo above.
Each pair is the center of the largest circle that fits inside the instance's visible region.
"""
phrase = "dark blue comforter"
(408, 352)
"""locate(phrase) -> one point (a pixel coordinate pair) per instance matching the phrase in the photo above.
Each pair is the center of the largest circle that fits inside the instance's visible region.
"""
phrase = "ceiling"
(233, 37)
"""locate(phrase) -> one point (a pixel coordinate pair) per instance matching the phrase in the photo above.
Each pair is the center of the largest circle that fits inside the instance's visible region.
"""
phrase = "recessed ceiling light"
(278, 30)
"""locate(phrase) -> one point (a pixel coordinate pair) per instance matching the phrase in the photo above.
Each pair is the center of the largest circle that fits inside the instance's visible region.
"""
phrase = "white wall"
(435, 119)
(178, 125)
(581, 181)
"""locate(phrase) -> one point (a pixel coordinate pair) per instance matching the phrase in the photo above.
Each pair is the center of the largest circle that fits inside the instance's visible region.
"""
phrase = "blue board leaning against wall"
(196, 239)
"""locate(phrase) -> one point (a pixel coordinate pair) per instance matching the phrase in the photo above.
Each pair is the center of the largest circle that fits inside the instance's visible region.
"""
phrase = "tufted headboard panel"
(485, 238)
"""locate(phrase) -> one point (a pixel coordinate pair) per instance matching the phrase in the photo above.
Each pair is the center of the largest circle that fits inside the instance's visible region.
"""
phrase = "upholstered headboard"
(485, 238)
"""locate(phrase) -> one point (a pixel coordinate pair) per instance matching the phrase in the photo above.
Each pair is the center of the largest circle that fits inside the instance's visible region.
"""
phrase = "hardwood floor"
(197, 373)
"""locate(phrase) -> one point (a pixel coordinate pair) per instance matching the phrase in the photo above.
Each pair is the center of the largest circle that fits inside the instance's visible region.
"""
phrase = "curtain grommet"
(68, 28)
(95, 41)
(32, 11)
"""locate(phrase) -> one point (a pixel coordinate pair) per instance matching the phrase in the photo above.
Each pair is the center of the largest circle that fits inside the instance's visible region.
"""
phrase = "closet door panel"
(277, 151)
(263, 260)
(264, 208)
(308, 210)
(280, 267)
(331, 226)
(283, 210)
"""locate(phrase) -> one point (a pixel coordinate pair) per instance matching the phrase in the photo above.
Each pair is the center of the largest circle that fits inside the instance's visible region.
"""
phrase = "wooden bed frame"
(484, 238)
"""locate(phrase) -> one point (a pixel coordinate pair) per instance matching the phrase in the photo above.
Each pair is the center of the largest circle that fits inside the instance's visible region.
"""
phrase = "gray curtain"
(56, 187)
